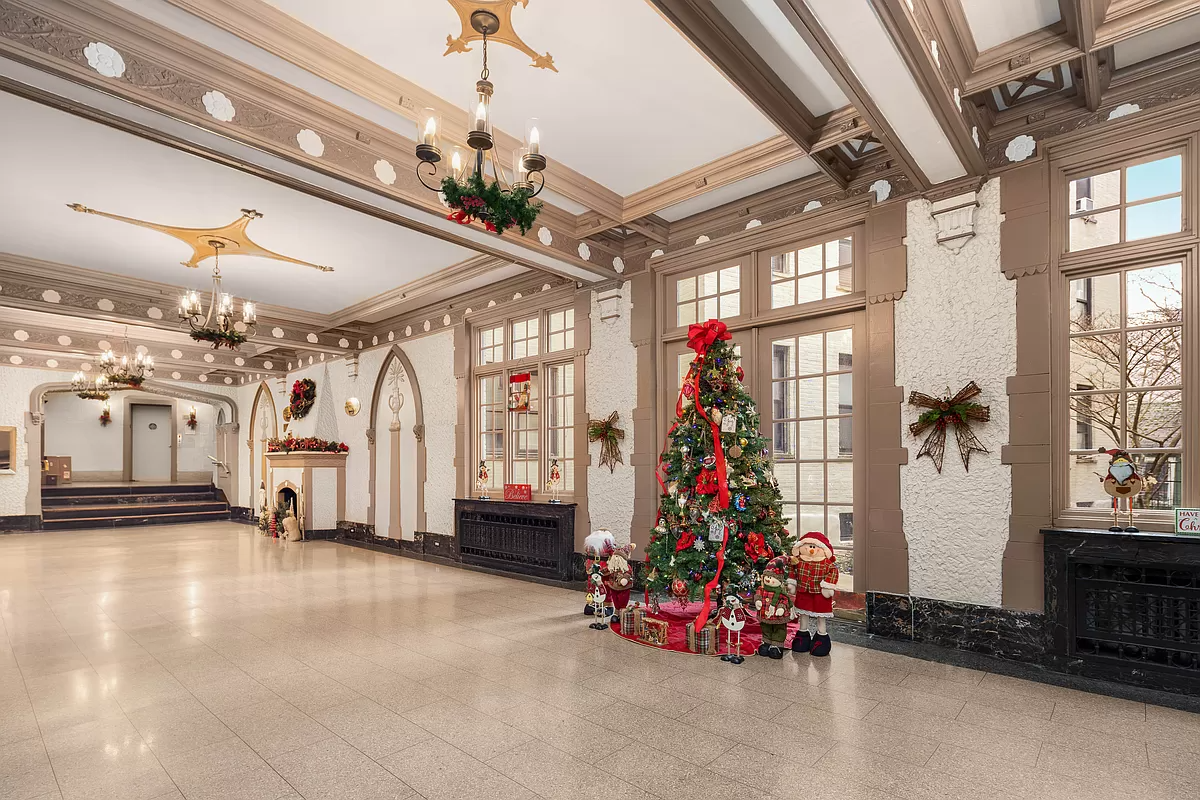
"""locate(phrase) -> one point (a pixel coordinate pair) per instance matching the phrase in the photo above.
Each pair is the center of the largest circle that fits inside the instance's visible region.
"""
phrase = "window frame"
(538, 366)
(1067, 266)
(670, 303)
(857, 275)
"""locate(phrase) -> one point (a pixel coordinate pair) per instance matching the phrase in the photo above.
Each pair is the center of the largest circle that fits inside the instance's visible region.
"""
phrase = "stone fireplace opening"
(287, 496)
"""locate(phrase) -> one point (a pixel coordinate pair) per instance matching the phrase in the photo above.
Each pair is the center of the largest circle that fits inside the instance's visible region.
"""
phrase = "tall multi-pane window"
(1126, 204)
(812, 273)
(1127, 380)
(812, 399)
(560, 420)
(710, 295)
(524, 383)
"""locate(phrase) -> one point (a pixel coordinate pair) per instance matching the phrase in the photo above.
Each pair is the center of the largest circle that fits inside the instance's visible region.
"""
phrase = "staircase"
(85, 505)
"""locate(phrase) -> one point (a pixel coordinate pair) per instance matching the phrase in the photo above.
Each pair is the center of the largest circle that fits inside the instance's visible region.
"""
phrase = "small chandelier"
(88, 389)
(467, 190)
(217, 326)
(127, 370)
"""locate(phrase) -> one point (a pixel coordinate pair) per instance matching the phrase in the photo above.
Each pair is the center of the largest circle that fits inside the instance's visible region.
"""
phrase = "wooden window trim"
(669, 296)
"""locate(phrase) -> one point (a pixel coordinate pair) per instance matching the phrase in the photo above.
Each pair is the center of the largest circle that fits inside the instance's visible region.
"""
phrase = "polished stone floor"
(204, 661)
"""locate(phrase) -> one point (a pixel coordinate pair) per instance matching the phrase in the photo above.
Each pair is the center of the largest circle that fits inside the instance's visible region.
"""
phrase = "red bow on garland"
(702, 336)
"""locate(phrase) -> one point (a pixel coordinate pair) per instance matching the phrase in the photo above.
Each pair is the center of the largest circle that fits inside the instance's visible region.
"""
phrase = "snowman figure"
(597, 597)
(733, 619)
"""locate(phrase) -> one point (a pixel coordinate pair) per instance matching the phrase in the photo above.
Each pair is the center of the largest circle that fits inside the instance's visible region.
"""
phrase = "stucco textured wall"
(16, 384)
(611, 380)
(432, 358)
(956, 323)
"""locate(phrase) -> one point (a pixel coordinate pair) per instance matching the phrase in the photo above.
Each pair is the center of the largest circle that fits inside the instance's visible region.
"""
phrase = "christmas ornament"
(698, 545)
(956, 410)
(609, 435)
(710, 461)
(729, 423)
(741, 502)
(686, 539)
(716, 530)
(679, 590)
(716, 415)
(735, 452)
(741, 374)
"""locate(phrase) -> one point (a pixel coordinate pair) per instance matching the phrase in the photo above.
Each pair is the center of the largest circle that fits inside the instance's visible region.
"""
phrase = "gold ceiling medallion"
(501, 30)
(232, 238)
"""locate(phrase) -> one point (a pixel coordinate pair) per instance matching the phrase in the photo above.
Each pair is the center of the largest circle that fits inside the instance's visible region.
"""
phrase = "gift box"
(654, 631)
(706, 640)
(630, 620)
(690, 635)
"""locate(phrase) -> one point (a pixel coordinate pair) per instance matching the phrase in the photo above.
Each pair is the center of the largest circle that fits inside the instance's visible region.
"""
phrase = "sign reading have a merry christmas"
(1187, 521)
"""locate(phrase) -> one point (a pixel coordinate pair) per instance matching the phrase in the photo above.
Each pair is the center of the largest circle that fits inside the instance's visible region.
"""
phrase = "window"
(709, 295)
(561, 326)
(812, 402)
(560, 420)
(525, 338)
(1126, 204)
(524, 399)
(491, 345)
(812, 273)
(1127, 380)
(8, 448)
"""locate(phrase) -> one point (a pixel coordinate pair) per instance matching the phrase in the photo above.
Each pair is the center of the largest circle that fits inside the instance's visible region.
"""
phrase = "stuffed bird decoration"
(1121, 483)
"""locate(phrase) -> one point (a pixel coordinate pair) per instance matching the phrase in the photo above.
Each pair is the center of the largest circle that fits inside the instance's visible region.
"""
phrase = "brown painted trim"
(646, 436)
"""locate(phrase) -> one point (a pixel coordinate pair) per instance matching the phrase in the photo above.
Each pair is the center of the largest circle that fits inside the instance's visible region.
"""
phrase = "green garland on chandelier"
(499, 210)
(219, 339)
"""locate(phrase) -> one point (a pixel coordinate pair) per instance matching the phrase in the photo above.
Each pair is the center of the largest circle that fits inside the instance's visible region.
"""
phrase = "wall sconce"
(353, 406)
(191, 421)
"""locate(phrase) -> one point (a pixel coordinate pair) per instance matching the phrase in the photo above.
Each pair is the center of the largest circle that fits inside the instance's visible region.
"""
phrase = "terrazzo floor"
(205, 661)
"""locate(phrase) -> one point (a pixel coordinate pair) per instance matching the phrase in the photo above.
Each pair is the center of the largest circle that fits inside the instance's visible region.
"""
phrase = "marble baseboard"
(20, 523)
(999, 632)
(242, 514)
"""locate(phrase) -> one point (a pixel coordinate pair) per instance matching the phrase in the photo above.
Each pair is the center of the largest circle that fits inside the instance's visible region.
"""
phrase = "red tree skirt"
(678, 617)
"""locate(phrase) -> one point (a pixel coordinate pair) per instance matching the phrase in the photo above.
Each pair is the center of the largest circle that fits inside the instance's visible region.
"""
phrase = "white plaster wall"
(956, 323)
(432, 358)
(16, 384)
(611, 386)
(323, 504)
(402, 487)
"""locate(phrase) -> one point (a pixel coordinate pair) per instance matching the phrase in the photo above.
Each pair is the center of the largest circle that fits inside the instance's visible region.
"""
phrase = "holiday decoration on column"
(618, 578)
(1121, 483)
(812, 577)
(304, 394)
(774, 608)
(606, 432)
(956, 410)
(720, 517)
(598, 547)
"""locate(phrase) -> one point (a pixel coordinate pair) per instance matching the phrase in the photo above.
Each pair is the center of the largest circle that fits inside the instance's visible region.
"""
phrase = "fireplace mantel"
(321, 480)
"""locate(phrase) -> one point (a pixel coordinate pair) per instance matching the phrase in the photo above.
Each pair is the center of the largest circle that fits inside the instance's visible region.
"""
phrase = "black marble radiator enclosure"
(999, 632)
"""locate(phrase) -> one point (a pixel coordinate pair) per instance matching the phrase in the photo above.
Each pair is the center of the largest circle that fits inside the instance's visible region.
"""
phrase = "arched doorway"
(396, 444)
(264, 424)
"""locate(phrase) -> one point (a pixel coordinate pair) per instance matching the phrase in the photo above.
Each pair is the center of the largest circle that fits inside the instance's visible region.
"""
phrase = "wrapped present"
(654, 631)
(630, 620)
(706, 640)
(690, 634)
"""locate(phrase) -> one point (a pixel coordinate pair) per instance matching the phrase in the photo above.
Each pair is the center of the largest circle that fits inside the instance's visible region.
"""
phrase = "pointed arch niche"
(264, 424)
(396, 449)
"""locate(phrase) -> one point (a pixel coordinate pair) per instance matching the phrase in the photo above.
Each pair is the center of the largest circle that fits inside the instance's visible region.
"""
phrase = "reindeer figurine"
(1121, 483)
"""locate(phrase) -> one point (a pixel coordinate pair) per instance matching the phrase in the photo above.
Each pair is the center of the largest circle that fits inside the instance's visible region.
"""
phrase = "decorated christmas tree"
(720, 520)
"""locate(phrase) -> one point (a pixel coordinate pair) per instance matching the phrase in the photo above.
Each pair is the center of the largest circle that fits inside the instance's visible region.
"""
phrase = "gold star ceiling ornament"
(502, 32)
(231, 239)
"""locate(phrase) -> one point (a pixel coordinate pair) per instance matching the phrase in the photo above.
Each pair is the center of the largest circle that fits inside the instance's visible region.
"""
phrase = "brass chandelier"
(218, 326)
(129, 369)
(467, 189)
(90, 389)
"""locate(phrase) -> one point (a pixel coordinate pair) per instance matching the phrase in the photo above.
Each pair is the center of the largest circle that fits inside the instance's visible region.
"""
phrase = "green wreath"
(498, 209)
(304, 394)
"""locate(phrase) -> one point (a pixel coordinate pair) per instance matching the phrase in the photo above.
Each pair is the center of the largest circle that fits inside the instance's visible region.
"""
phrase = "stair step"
(75, 489)
(121, 522)
(132, 510)
(127, 499)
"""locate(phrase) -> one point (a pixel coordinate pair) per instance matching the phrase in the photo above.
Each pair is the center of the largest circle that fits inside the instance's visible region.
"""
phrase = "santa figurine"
(812, 577)
(597, 547)
(773, 607)
(733, 619)
(618, 579)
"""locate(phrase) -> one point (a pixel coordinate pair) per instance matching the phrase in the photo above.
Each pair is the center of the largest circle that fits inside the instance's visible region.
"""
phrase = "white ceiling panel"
(1156, 42)
(58, 158)
(632, 103)
(777, 176)
(995, 22)
(778, 43)
(862, 40)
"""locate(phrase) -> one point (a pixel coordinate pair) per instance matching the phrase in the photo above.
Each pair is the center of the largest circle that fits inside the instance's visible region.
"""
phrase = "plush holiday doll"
(773, 607)
(618, 579)
(813, 577)
(597, 547)
(1121, 483)
(733, 619)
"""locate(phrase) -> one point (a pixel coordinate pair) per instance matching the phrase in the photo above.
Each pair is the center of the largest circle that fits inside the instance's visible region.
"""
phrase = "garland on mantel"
(306, 444)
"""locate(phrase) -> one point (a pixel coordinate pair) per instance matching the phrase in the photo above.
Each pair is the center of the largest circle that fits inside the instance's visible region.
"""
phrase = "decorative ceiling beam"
(718, 40)
(84, 350)
(30, 358)
(172, 73)
(1082, 18)
(1027, 55)
(943, 93)
(270, 29)
(1129, 19)
(653, 228)
(819, 41)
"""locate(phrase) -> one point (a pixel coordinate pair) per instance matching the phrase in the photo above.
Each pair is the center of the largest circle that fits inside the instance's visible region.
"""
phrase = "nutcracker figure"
(618, 579)
(812, 577)
(598, 598)
(597, 548)
(1121, 483)
(733, 619)
(554, 483)
(773, 607)
(482, 479)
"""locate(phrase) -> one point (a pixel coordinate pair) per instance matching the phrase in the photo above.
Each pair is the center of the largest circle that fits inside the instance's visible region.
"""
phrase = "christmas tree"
(720, 520)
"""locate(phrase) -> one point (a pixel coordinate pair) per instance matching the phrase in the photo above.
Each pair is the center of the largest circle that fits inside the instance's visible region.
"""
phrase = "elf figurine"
(597, 547)
(733, 619)
(812, 577)
(618, 579)
(773, 607)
